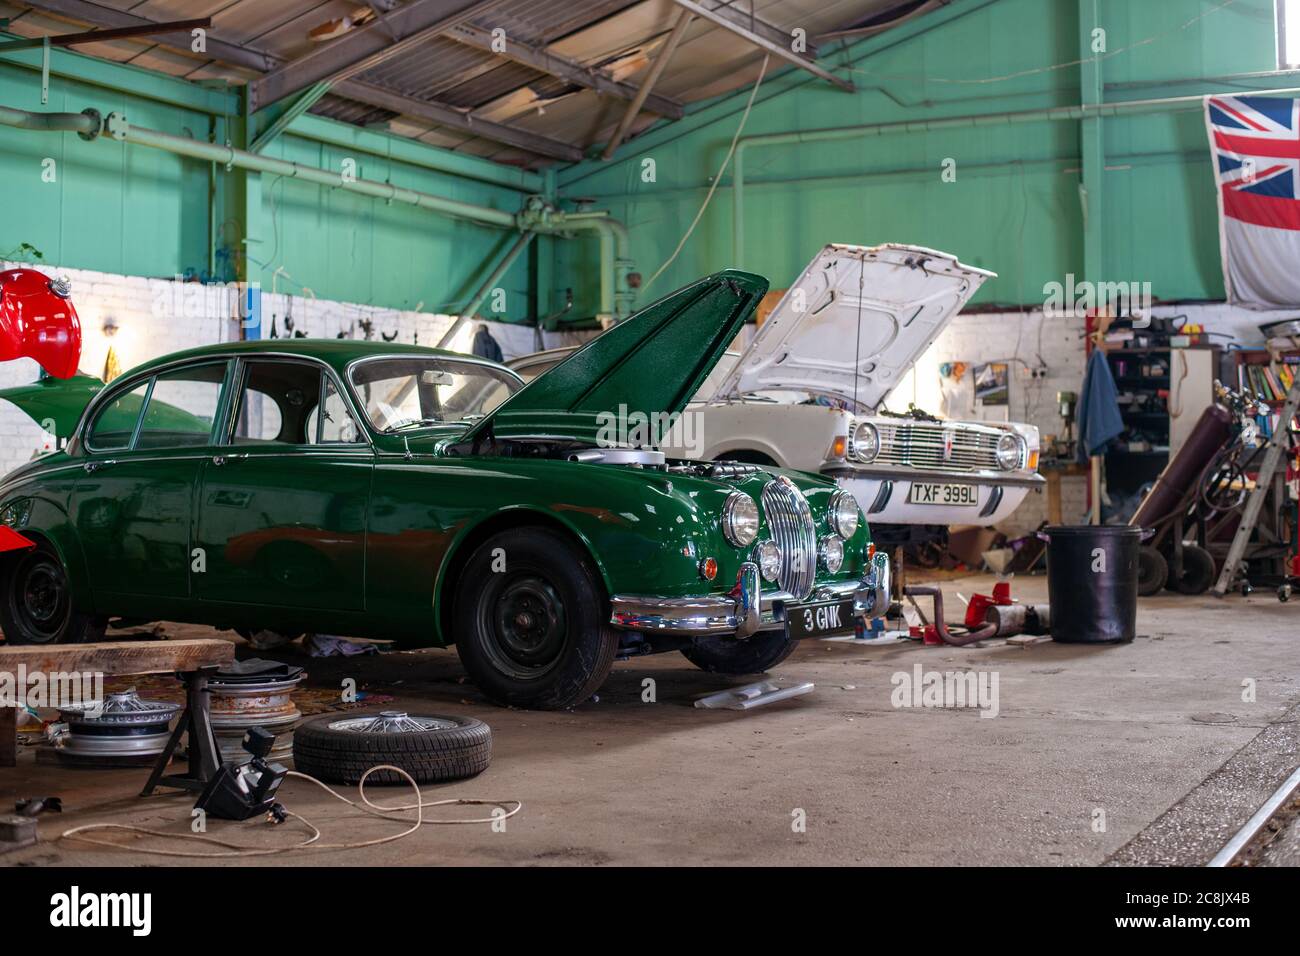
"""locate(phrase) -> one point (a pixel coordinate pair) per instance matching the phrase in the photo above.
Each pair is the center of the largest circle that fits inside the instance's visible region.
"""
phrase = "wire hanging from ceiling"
(726, 161)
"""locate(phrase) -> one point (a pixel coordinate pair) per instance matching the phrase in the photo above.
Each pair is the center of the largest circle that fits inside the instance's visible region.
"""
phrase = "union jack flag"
(1256, 141)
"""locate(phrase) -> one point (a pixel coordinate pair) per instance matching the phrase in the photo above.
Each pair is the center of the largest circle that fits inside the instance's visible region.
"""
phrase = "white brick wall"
(156, 316)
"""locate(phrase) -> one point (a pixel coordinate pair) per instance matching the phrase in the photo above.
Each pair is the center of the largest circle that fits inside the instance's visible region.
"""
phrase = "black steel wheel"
(1153, 571)
(531, 621)
(37, 603)
(729, 655)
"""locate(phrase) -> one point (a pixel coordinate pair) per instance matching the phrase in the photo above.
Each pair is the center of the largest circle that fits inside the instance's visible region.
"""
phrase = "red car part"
(38, 321)
(11, 540)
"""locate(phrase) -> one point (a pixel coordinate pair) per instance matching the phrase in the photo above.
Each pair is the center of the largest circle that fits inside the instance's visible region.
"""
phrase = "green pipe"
(229, 156)
(616, 262)
(488, 285)
(1049, 114)
(1006, 167)
(84, 124)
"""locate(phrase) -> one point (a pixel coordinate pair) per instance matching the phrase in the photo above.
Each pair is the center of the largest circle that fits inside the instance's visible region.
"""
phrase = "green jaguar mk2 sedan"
(372, 489)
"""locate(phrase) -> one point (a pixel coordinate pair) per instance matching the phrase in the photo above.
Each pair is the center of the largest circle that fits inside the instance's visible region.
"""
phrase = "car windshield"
(418, 391)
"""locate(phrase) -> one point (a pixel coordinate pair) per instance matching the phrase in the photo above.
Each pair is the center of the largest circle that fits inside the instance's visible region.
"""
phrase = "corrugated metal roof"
(620, 36)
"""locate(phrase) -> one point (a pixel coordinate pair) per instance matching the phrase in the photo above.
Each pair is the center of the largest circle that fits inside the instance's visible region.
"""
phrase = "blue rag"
(1099, 418)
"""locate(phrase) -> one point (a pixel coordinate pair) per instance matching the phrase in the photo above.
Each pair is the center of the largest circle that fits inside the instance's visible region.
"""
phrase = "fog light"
(768, 557)
(831, 552)
(708, 568)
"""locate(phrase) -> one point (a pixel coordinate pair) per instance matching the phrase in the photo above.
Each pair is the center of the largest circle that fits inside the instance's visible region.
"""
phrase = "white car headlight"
(865, 445)
(768, 558)
(831, 551)
(1011, 451)
(843, 513)
(740, 519)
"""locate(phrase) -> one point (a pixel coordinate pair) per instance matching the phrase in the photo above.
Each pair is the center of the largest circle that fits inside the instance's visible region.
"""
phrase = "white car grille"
(938, 445)
(790, 521)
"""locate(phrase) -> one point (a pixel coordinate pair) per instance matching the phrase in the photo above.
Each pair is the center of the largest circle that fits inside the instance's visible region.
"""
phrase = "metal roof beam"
(763, 35)
(365, 47)
(101, 16)
(448, 116)
(367, 93)
(562, 68)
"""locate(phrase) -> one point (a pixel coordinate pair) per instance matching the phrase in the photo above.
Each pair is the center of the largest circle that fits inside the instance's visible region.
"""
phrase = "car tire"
(1153, 571)
(728, 655)
(323, 750)
(36, 605)
(530, 620)
(1198, 571)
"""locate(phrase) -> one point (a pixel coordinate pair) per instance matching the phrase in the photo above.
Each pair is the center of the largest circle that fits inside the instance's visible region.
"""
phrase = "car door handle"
(219, 460)
(92, 466)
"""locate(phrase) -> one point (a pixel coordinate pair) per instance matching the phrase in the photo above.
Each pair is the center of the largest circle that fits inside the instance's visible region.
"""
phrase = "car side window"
(335, 426)
(182, 407)
(279, 404)
(115, 423)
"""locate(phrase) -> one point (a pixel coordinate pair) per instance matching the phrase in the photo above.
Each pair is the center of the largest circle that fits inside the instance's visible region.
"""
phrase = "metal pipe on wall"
(970, 121)
(615, 259)
(488, 284)
(616, 298)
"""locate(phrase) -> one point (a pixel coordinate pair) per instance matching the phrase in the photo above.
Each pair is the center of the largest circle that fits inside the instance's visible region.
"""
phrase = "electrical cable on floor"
(238, 850)
(726, 161)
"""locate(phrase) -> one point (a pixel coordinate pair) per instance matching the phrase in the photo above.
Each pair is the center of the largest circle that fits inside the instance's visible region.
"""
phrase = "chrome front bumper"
(746, 609)
(1010, 479)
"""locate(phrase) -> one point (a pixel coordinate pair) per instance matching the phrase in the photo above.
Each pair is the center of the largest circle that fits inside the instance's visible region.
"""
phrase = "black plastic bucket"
(1092, 583)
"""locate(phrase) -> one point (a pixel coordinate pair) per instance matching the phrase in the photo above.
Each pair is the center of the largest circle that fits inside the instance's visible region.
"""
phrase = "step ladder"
(1278, 442)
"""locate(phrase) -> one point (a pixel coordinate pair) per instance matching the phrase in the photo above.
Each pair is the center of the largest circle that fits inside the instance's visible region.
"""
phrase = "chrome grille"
(938, 445)
(790, 522)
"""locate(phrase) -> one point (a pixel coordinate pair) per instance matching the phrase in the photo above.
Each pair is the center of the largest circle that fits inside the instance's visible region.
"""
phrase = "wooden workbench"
(109, 658)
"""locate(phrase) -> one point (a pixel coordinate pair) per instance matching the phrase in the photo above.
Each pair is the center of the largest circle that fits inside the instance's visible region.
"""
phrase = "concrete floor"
(1136, 754)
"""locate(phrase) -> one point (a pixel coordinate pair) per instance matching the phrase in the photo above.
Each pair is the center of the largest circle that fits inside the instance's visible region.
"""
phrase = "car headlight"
(831, 551)
(1011, 451)
(843, 513)
(740, 519)
(768, 558)
(866, 442)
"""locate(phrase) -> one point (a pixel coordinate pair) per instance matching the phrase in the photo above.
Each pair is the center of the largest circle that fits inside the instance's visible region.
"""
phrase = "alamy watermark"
(1073, 299)
(53, 689)
(680, 431)
(952, 689)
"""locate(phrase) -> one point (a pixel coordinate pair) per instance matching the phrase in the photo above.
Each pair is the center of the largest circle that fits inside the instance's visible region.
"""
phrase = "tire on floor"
(322, 749)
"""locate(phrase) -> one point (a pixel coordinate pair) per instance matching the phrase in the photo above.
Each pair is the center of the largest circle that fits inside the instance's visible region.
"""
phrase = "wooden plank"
(120, 657)
(8, 736)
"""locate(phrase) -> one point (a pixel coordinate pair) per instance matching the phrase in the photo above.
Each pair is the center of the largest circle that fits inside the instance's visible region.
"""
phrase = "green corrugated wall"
(133, 210)
(1015, 205)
